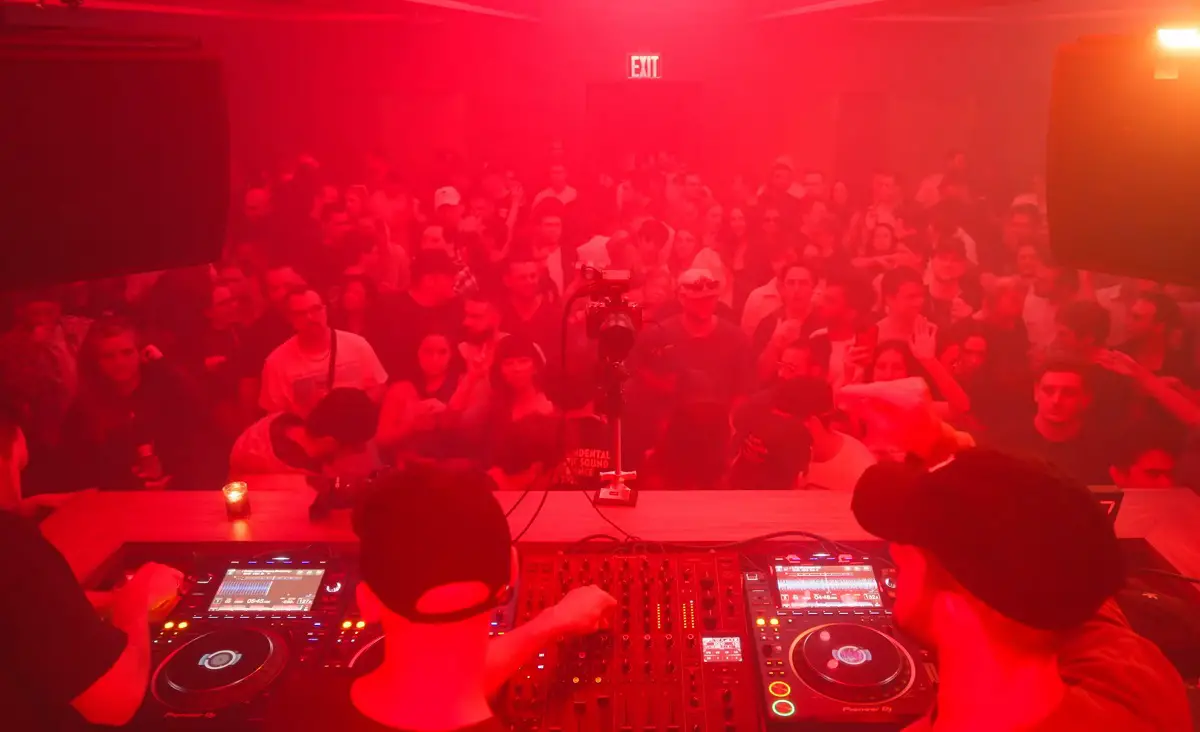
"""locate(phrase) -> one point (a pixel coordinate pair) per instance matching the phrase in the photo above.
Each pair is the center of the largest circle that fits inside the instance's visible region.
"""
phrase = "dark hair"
(654, 231)
(347, 415)
(519, 255)
(515, 346)
(805, 265)
(455, 366)
(529, 440)
(867, 245)
(1061, 365)
(1166, 310)
(1141, 440)
(894, 279)
(859, 295)
(300, 291)
(108, 326)
(483, 296)
(910, 361)
(548, 207)
(1086, 319)
(803, 397)
(367, 283)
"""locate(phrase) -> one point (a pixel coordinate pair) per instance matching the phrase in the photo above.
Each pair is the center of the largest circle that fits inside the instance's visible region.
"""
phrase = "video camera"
(612, 320)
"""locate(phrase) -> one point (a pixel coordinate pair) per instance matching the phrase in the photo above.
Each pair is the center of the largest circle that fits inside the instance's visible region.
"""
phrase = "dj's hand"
(584, 610)
(154, 585)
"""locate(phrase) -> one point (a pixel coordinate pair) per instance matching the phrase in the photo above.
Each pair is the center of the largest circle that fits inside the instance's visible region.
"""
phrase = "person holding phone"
(795, 319)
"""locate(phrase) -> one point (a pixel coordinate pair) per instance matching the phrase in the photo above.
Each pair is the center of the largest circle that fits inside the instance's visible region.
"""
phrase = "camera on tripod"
(612, 320)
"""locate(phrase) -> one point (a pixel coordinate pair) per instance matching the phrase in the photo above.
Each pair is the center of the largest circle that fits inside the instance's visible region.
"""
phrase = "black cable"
(513, 507)
(624, 534)
(589, 538)
(536, 511)
(1165, 573)
(562, 424)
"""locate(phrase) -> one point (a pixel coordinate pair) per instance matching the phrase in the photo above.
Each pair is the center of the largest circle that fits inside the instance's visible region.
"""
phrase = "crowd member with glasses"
(316, 360)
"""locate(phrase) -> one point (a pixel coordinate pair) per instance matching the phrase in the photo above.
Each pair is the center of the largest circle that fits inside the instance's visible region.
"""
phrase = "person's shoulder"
(1118, 680)
(353, 340)
(761, 291)
(284, 351)
(729, 330)
(854, 447)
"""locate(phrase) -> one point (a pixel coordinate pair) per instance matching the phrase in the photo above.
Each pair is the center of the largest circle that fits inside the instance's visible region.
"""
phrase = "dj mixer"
(786, 637)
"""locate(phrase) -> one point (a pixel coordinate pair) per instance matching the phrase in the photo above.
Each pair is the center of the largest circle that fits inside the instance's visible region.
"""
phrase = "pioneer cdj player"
(825, 645)
(248, 616)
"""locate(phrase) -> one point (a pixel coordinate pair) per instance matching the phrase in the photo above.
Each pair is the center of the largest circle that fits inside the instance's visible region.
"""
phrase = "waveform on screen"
(828, 584)
(245, 588)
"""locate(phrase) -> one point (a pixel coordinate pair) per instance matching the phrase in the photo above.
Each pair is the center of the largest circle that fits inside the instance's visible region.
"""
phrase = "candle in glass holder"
(237, 500)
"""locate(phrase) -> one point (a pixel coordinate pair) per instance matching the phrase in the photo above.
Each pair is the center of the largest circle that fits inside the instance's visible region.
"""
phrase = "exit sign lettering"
(643, 66)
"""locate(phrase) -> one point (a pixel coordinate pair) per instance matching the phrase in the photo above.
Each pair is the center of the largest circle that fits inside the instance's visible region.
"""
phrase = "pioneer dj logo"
(868, 710)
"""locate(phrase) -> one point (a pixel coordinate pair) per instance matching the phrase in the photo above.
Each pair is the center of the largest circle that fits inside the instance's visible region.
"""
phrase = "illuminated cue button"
(774, 621)
(182, 625)
(760, 621)
(779, 688)
(360, 625)
(346, 624)
(783, 708)
(168, 625)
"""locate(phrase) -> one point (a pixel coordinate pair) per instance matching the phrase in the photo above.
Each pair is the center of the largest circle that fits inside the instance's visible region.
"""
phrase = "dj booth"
(709, 634)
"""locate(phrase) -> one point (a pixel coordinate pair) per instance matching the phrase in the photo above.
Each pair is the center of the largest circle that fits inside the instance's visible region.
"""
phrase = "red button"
(780, 689)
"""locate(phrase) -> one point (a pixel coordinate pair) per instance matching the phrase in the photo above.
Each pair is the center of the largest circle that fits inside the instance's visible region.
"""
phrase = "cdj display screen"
(724, 649)
(827, 586)
(267, 590)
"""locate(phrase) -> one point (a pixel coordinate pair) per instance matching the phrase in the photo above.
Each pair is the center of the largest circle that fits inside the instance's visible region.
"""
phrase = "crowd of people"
(396, 319)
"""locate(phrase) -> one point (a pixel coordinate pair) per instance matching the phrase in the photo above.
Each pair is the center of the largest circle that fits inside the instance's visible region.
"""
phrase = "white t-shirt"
(1040, 320)
(293, 381)
(761, 302)
(841, 472)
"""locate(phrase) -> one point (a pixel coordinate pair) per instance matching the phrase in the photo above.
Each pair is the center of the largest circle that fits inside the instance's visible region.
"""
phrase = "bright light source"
(1179, 39)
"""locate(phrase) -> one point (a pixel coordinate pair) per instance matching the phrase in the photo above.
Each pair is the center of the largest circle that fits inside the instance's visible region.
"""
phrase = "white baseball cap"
(448, 196)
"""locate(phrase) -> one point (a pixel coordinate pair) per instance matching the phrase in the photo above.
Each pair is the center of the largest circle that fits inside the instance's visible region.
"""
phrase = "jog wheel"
(853, 664)
(368, 658)
(219, 669)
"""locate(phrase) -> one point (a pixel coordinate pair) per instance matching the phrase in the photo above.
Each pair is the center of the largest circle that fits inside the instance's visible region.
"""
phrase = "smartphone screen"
(868, 337)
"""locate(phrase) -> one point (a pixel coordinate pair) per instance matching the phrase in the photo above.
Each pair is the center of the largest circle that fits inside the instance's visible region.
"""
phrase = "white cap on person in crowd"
(1027, 199)
(699, 283)
(448, 196)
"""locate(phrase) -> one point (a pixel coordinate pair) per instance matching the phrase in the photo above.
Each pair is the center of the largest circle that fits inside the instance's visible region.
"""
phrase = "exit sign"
(643, 67)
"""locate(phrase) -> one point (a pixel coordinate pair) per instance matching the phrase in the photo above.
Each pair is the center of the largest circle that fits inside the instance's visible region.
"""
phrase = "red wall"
(902, 93)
